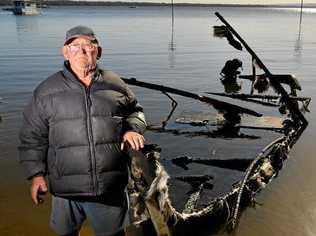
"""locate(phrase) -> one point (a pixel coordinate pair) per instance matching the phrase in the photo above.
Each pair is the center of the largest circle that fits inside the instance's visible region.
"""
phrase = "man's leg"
(120, 233)
(67, 216)
(76, 233)
(105, 219)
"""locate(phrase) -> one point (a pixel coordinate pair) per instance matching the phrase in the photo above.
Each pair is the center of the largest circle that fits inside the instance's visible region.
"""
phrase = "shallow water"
(136, 44)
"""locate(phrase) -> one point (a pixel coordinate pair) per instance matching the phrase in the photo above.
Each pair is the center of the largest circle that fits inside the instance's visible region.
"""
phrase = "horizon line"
(85, 2)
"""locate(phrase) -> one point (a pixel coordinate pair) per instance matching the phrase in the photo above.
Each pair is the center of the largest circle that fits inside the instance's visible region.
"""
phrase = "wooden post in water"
(172, 45)
(302, 3)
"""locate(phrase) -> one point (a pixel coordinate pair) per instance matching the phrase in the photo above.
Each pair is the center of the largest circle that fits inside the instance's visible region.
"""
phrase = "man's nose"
(82, 49)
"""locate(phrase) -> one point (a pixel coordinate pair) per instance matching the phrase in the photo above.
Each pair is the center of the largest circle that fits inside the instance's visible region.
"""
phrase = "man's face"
(82, 54)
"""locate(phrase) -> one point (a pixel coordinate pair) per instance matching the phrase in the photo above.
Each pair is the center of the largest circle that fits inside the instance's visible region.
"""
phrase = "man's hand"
(38, 187)
(134, 139)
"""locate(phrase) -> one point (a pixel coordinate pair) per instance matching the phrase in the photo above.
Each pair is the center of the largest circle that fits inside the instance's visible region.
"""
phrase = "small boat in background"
(25, 7)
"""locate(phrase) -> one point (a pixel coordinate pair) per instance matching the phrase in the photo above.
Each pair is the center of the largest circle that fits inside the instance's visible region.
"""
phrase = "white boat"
(25, 7)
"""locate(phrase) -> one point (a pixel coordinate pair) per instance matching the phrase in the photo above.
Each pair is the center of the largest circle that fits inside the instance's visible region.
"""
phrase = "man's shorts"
(68, 215)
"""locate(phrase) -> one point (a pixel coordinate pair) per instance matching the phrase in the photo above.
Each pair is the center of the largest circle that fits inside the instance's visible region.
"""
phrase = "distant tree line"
(96, 3)
(121, 3)
(84, 3)
(118, 3)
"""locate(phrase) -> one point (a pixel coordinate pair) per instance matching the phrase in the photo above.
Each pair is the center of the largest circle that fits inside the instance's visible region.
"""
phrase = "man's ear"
(99, 53)
(65, 53)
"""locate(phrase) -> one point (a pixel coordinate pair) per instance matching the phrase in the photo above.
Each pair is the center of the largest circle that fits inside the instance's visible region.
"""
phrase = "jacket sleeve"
(134, 118)
(33, 139)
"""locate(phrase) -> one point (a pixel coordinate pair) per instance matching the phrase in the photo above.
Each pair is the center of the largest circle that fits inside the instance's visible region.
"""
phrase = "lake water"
(136, 43)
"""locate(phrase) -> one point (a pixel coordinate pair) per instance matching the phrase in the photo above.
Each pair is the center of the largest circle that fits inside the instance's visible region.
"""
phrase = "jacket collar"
(69, 74)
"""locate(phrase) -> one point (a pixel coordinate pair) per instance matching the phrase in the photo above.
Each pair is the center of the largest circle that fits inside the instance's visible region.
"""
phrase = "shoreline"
(136, 4)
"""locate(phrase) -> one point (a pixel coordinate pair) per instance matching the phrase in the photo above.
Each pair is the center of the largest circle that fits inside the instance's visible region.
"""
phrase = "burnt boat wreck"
(203, 212)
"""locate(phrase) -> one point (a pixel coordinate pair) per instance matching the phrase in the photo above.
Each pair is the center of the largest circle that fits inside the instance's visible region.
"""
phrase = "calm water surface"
(136, 43)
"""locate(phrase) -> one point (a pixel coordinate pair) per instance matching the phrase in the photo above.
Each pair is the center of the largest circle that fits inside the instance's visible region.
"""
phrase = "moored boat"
(25, 7)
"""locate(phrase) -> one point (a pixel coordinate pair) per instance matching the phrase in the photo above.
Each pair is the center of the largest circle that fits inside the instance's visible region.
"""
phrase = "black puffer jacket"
(72, 133)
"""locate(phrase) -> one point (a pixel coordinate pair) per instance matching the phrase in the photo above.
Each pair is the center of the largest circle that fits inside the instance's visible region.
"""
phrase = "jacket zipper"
(90, 140)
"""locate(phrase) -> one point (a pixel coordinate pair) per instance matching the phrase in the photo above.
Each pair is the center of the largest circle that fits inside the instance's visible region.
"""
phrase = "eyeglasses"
(76, 47)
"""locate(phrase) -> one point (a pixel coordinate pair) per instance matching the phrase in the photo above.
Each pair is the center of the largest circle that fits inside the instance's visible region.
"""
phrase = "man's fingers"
(128, 141)
(131, 142)
(135, 140)
(38, 187)
(34, 190)
(39, 199)
(138, 142)
(141, 141)
(43, 188)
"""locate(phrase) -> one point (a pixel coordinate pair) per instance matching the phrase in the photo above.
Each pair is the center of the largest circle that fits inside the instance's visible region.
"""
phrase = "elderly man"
(74, 131)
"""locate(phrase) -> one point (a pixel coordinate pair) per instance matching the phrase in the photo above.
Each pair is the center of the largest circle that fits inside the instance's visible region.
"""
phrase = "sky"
(222, 1)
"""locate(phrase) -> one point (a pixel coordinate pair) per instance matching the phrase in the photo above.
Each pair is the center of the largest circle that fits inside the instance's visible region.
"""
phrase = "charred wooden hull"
(149, 183)
(148, 186)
